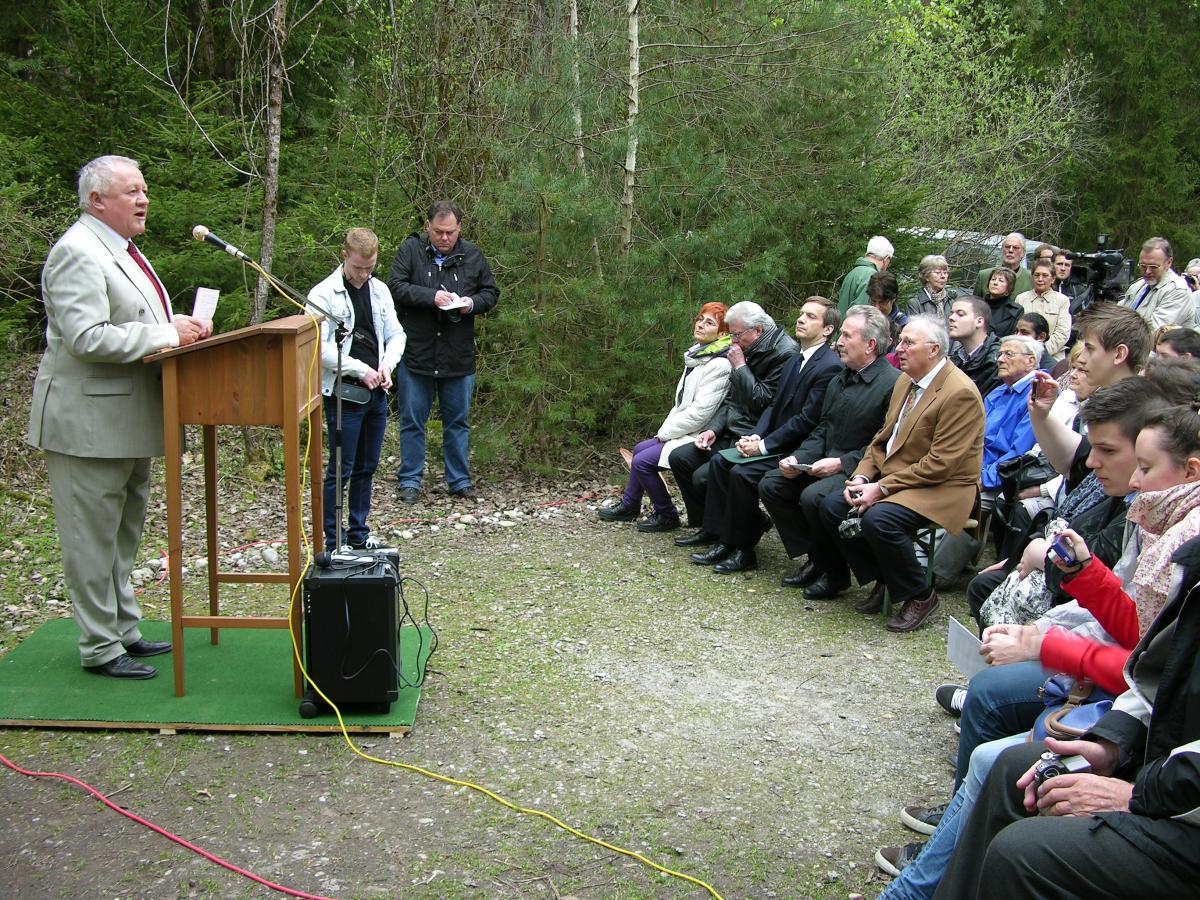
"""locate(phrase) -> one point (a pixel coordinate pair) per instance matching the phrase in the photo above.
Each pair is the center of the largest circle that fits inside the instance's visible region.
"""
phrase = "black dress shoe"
(148, 648)
(807, 575)
(619, 513)
(658, 522)
(738, 561)
(713, 555)
(124, 666)
(827, 587)
(696, 539)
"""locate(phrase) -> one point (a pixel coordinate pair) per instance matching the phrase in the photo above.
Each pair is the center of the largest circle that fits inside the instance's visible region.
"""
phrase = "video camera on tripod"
(1106, 273)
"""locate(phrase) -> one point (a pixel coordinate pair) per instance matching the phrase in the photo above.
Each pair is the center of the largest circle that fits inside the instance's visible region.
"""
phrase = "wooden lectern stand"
(261, 375)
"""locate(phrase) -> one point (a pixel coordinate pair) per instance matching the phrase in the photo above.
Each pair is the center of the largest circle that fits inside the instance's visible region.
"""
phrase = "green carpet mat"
(243, 683)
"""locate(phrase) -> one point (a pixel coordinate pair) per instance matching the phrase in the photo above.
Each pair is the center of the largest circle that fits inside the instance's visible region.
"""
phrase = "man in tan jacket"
(97, 408)
(922, 466)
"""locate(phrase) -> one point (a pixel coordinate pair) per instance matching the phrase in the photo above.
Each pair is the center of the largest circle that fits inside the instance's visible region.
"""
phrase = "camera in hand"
(1051, 765)
(851, 526)
(1062, 550)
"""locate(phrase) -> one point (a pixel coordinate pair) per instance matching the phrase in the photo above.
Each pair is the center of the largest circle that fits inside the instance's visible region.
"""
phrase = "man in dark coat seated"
(759, 352)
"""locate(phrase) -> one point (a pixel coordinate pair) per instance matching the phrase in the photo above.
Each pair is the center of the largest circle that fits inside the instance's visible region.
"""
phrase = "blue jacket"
(1007, 431)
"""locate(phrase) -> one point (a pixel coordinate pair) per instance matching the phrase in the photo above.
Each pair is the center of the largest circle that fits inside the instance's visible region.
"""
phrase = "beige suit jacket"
(93, 395)
(937, 457)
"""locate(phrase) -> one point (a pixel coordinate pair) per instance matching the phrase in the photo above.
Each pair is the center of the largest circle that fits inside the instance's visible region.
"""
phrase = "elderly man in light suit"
(97, 409)
(922, 466)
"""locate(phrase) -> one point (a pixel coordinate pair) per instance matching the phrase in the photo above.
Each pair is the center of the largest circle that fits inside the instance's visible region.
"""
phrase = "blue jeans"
(414, 397)
(363, 427)
(1002, 700)
(919, 879)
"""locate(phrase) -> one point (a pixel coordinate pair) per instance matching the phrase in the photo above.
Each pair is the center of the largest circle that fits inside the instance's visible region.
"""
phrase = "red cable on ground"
(292, 892)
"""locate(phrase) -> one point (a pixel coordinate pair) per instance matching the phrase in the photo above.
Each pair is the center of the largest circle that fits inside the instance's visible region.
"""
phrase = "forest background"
(620, 162)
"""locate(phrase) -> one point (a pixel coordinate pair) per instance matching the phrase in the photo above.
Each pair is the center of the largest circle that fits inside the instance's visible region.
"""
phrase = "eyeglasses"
(1010, 354)
(737, 334)
(908, 342)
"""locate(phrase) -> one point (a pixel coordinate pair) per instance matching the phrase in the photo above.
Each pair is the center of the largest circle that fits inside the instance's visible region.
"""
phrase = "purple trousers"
(644, 478)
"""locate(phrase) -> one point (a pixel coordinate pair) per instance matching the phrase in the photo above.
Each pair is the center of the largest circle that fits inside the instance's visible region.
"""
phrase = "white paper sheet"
(206, 303)
(962, 648)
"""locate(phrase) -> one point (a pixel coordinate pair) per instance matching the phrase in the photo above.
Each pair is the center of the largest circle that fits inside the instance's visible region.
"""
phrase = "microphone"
(201, 233)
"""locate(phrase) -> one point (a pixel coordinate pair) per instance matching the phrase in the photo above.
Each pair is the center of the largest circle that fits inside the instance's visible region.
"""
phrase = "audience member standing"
(440, 283)
(1050, 304)
(1012, 258)
(975, 348)
(1160, 296)
(854, 285)
(371, 347)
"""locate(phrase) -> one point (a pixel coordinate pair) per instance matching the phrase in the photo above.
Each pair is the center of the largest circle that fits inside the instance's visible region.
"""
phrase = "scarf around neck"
(1168, 518)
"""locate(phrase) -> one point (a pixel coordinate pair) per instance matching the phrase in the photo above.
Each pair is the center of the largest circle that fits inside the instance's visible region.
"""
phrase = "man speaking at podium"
(97, 408)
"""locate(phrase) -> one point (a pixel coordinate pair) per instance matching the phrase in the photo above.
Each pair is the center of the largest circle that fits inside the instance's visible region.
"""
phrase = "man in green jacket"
(854, 285)
(1012, 257)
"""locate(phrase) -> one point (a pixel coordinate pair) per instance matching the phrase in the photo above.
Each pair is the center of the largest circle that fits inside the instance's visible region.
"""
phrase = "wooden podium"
(262, 375)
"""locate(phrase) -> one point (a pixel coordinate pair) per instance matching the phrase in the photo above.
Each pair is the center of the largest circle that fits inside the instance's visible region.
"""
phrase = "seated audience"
(1177, 341)
(922, 466)
(1165, 515)
(975, 347)
(933, 297)
(1055, 307)
(757, 355)
(731, 510)
(854, 409)
(1124, 827)
(1007, 431)
(999, 297)
(883, 293)
(701, 388)
(1034, 325)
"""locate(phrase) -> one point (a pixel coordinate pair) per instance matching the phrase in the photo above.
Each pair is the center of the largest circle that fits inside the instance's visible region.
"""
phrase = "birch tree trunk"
(276, 39)
(631, 121)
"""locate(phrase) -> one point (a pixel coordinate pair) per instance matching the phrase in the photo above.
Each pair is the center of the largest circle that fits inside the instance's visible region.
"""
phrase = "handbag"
(1073, 705)
(1024, 471)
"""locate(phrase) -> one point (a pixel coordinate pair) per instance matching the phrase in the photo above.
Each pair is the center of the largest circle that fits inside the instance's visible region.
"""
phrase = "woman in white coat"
(700, 391)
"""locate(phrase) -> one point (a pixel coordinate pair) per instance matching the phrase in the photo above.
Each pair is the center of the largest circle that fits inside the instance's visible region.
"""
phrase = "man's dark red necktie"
(145, 267)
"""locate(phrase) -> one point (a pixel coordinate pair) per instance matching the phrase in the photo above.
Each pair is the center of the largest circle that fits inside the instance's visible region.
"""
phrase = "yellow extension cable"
(446, 779)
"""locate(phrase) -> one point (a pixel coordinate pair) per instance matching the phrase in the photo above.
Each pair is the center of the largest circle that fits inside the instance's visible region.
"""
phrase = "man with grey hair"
(1012, 257)
(97, 408)
(759, 351)
(854, 286)
(853, 409)
(922, 466)
(1007, 432)
(1160, 296)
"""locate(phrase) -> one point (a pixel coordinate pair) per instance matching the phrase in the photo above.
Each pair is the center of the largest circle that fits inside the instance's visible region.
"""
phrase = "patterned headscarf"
(1168, 519)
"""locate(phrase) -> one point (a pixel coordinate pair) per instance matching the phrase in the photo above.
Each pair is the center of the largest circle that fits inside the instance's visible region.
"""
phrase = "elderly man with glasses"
(1160, 296)
(922, 466)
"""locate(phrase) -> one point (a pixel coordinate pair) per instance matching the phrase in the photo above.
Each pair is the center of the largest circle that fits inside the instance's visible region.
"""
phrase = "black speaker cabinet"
(350, 637)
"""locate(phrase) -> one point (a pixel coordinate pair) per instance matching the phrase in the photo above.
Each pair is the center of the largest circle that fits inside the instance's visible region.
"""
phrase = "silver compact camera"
(1051, 765)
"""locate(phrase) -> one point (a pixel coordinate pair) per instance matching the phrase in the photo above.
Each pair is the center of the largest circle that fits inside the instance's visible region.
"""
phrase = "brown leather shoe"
(873, 603)
(913, 614)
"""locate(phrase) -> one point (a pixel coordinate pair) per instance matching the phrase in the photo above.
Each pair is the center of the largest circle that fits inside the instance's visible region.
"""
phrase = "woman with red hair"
(700, 391)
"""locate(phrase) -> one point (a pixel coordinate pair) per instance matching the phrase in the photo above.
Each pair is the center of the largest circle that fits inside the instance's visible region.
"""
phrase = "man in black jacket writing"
(439, 283)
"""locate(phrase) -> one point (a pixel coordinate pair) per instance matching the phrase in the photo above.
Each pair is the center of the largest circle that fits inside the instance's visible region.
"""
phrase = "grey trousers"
(100, 510)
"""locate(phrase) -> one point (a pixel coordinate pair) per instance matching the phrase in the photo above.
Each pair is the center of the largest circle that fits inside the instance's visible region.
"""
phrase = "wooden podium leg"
(173, 448)
(210, 518)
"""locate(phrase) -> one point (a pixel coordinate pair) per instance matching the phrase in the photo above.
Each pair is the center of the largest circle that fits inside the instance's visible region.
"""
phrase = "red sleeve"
(1099, 591)
(1084, 658)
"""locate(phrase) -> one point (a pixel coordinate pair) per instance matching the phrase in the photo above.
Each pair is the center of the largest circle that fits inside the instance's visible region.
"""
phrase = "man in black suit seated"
(731, 501)
(853, 410)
